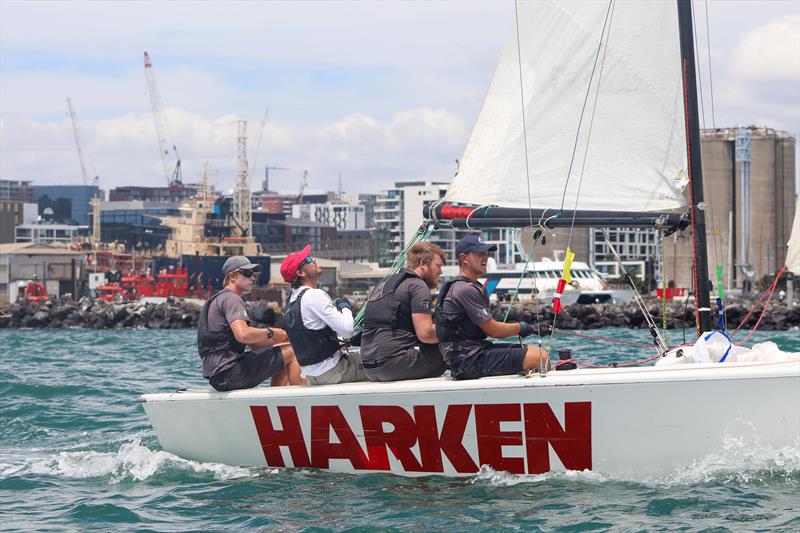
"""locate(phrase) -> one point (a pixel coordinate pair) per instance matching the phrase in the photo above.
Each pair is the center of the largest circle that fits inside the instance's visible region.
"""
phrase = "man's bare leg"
(292, 367)
(533, 356)
(281, 379)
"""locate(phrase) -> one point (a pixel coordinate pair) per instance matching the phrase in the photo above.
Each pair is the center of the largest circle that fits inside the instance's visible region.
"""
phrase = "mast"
(702, 283)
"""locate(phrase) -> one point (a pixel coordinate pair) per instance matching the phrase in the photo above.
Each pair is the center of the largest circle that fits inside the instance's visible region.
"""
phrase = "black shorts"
(423, 361)
(494, 360)
(250, 370)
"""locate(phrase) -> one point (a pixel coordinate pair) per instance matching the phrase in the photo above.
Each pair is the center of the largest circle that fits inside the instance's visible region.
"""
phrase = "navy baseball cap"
(473, 243)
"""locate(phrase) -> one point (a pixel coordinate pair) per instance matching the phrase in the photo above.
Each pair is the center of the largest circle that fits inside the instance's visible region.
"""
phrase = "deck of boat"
(567, 378)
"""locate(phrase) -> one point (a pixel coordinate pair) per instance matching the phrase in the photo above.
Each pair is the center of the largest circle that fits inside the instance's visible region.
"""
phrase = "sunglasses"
(308, 260)
(247, 273)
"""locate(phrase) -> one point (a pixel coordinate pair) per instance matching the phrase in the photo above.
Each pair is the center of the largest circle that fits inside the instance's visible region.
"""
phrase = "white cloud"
(770, 52)
(124, 149)
(379, 91)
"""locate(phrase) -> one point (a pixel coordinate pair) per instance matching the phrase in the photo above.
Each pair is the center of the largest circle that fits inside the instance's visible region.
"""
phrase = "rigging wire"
(710, 76)
(715, 230)
(699, 70)
(422, 234)
(602, 45)
(660, 343)
(527, 167)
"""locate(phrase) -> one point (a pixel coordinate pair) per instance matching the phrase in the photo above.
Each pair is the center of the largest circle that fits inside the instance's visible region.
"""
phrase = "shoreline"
(179, 314)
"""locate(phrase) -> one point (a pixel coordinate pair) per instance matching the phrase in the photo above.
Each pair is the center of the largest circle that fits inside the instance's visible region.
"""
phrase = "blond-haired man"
(224, 333)
(399, 340)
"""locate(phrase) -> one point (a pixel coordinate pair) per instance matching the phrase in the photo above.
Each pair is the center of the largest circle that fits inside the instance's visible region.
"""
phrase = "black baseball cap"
(473, 243)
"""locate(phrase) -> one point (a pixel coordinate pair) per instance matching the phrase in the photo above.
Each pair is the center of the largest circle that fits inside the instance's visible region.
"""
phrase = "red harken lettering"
(541, 430)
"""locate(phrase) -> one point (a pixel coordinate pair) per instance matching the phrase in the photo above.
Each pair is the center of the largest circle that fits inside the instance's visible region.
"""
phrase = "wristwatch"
(270, 333)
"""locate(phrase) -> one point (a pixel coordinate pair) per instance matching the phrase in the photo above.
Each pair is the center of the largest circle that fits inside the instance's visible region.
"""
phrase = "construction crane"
(79, 145)
(242, 203)
(96, 201)
(265, 183)
(303, 185)
(172, 173)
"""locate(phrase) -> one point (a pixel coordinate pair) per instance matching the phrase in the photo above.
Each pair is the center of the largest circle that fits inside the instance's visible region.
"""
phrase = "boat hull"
(634, 423)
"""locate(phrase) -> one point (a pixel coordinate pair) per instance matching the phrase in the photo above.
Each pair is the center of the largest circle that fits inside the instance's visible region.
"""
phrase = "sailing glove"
(525, 329)
(343, 302)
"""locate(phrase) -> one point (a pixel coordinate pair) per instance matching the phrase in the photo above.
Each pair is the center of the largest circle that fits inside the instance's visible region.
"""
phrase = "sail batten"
(635, 159)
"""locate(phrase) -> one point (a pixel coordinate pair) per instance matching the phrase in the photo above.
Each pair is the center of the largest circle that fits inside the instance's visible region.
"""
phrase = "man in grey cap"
(224, 333)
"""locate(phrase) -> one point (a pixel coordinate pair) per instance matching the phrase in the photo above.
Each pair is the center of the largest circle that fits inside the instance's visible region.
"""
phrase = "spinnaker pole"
(702, 283)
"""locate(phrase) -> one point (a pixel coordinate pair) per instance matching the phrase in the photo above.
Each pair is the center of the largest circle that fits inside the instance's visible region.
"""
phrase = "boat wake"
(131, 462)
(738, 461)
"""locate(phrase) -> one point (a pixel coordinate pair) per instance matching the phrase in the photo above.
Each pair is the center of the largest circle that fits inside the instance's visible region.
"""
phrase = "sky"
(374, 92)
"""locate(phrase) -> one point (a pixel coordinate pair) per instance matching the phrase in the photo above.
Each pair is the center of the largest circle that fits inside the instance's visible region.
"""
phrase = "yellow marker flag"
(568, 257)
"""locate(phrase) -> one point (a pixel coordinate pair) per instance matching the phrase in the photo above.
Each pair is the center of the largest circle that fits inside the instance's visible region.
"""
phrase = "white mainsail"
(793, 254)
(636, 159)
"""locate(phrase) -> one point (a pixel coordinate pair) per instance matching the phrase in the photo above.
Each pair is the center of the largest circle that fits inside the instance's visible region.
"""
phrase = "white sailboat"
(633, 422)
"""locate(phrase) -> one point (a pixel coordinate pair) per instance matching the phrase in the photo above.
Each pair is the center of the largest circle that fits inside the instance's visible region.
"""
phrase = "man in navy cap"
(224, 333)
(463, 323)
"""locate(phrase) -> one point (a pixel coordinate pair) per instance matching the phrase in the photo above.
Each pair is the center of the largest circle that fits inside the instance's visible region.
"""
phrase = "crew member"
(399, 340)
(314, 324)
(463, 322)
(224, 332)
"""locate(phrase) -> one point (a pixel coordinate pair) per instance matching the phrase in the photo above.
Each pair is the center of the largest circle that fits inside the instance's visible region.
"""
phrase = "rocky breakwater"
(779, 315)
(99, 314)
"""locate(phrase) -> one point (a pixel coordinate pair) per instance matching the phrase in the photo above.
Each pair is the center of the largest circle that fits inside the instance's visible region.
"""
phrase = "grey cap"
(239, 262)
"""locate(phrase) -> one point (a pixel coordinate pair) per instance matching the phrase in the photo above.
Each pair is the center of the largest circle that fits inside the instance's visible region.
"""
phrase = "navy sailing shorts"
(250, 370)
(494, 360)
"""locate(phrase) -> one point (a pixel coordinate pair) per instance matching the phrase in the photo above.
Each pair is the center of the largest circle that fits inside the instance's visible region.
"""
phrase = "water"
(78, 454)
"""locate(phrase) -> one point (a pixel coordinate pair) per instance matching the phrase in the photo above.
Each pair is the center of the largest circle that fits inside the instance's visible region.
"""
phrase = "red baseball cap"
(293, 262)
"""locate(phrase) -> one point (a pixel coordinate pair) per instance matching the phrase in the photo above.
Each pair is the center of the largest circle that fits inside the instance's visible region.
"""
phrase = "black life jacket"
(385, 309)
(209, 342)
(455, 326)
(311, 346)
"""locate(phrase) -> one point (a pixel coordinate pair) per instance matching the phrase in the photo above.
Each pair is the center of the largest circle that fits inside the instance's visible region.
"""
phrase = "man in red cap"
(315, 323)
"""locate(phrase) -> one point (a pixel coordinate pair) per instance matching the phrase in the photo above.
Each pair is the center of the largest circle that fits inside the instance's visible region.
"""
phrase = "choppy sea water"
(77, 453)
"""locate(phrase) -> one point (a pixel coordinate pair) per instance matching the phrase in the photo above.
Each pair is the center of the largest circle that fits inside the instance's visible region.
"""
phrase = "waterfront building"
(49, 233)
(12, 214)
(71, 204)
(173, 194)
(283, 202)
(399, 214)
(136, 223)
(342, 216)
(58, 268)
(17, 190)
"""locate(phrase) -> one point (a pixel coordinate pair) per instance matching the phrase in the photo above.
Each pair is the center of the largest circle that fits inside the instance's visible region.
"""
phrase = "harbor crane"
(170, 160)
(303, 185)
(265, 183)
(242, 203)
(96, 201)
(79, 145)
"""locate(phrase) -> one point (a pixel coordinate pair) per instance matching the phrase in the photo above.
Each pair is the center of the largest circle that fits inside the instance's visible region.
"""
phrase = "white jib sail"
(793, 254)
(636, 159)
